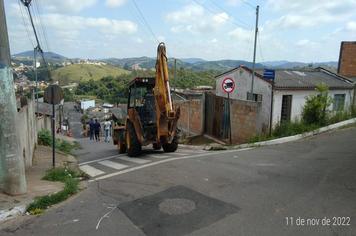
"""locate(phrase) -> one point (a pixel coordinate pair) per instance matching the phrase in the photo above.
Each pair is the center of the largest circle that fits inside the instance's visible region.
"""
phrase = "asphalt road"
(250, 192)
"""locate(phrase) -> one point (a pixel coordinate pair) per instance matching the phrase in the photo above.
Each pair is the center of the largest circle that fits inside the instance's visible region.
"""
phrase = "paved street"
(240, 192)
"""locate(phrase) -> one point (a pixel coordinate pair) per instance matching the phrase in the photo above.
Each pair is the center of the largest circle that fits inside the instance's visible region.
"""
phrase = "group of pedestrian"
(95, 128)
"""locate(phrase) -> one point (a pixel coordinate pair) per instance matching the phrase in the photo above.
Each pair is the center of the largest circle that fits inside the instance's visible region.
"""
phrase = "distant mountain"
(222, 65)
(291, 65)
(47, 55)
(192, 60)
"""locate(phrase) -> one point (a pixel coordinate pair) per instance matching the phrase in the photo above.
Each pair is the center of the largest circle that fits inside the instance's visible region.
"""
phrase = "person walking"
(97, 128)
(91, 129)
(107, 129)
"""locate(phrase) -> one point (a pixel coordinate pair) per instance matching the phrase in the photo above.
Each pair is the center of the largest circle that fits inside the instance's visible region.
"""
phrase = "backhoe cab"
(151, 115)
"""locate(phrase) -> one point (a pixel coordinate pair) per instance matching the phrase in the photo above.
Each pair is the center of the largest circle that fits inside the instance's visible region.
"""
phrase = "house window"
(339, 102)
(286, 108)
(256, 97)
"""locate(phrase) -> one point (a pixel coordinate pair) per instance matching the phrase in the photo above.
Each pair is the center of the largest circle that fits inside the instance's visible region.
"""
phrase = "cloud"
(66, 6)
(115, 3)
(241, 35)
(76, 23)
(305, 43)
(194, 19)
(309, 13)
(351, 26)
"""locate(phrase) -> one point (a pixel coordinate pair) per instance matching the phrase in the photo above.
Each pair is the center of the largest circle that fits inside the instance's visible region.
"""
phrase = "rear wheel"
(171, 147)
(122, 146)
(134, 147)
(156, 146)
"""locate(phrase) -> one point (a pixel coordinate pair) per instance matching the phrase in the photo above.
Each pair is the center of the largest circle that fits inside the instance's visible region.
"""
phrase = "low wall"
(191, 116)
(27, 127)
(245, 120)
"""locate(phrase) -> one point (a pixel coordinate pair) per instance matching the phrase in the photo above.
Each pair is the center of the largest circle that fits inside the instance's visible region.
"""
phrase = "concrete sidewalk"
(12, 206)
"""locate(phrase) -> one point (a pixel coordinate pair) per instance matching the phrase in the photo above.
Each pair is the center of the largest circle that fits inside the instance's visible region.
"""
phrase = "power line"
(38, 46)
(248, 4)
(259, 46)
(145, 21)
(42, 27)
(212, 12)
(221, 8)
(25, 25)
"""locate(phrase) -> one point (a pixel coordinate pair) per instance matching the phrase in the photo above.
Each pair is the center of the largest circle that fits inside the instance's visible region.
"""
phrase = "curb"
(296, 137)
(12, 212)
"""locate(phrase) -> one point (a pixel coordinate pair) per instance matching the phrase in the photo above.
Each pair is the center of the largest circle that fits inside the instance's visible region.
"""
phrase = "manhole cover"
(176, 206)
(175, 211)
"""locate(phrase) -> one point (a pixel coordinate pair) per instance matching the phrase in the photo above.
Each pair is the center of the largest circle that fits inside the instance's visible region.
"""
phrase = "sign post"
(53, 95)
(228, 86)
(270, 75)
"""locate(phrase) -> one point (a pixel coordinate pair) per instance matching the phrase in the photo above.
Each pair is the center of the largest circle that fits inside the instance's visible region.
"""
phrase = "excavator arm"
(166, 114)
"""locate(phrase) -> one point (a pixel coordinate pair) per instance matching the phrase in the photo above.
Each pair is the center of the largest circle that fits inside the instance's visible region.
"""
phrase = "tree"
(68, 95)
(315, 108)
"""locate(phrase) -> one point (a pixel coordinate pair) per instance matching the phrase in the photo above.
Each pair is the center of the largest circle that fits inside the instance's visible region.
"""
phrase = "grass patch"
(45, 138)
(285, 129)
(71, 183)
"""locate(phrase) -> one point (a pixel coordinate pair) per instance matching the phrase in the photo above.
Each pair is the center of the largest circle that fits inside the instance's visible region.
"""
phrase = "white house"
(289, 90)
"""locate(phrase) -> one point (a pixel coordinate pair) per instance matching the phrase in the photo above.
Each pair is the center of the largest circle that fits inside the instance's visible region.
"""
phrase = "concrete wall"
(27, 124)
(298, 102)
(192, 114)
(242, 80)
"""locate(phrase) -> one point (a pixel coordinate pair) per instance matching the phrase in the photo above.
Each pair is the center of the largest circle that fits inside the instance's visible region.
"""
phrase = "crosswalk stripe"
(177, 154)
(91, 170)
(113, 165)
(158, 156)
(134, 160)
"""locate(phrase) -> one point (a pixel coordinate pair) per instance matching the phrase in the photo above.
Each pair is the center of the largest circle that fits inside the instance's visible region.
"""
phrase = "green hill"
(85, 72)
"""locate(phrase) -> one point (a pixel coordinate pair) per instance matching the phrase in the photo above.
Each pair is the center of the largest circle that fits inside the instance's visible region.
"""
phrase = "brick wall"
(347, 60)
(244, 120)
(196, 110)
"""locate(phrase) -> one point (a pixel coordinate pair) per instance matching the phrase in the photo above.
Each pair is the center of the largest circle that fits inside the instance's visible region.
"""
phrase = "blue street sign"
(269, 74)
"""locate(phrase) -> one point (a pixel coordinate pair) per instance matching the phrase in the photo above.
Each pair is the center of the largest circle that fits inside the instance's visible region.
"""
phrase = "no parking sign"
(228, 85)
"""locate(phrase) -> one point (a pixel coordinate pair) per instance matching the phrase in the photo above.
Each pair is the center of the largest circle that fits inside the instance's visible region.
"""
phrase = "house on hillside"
(283, 99)
(347, 62)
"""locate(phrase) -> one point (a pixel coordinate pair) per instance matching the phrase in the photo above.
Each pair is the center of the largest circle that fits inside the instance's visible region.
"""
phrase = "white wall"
(243, 80)
(298, 102)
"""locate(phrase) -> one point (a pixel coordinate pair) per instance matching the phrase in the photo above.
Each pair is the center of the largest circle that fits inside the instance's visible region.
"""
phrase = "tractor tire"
(171, 147)
(134, 148)
(122, 146)
(156, 146)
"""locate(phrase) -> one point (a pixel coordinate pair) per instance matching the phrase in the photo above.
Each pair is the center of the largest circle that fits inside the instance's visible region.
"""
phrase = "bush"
(292, 128)
(340, 116)
(315, 108)
(45, 137)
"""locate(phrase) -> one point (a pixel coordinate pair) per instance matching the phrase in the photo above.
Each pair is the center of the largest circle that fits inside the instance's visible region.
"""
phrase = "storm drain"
(175, 211)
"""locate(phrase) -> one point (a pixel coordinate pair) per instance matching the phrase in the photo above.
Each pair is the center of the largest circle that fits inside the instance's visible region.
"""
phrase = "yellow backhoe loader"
(151, 115)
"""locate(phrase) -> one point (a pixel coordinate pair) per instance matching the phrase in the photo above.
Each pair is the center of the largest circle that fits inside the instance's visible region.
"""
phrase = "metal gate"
(216, 116)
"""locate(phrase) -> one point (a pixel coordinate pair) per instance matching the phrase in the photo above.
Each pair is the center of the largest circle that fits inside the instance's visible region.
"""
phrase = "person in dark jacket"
(91, 129)
(97, 128)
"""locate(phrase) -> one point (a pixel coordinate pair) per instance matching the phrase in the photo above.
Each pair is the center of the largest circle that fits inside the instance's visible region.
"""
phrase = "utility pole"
(35, 72)
(254, 53)
(37, 49)
(12, 168)
(175, 73)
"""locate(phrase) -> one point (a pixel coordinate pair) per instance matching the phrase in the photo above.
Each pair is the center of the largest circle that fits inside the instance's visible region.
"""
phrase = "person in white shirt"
(107, 129)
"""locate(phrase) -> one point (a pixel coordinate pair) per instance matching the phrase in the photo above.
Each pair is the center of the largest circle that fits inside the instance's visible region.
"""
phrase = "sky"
(299, 30)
